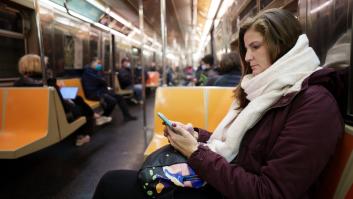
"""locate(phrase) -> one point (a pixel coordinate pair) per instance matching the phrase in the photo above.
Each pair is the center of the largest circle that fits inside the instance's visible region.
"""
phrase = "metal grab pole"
(143, 72)
(40, 43)
(164, 42)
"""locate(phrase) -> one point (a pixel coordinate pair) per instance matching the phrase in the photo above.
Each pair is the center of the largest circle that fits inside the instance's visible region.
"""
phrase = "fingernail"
(173, 125)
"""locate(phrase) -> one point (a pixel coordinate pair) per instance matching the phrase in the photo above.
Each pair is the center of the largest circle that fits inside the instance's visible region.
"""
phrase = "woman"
(279, 133)
(30, 68)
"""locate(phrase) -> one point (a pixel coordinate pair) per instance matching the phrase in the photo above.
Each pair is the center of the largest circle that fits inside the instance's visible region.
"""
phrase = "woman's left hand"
(182, 140)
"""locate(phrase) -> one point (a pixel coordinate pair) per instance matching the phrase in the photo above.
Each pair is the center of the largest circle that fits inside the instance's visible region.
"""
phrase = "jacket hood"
(335, 81)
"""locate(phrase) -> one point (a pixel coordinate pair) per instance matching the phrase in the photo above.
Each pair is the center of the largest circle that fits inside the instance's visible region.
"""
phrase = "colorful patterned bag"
(165, 170)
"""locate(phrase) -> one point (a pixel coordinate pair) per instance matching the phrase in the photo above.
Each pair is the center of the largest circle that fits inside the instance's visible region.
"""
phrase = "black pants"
(121, 184)
(86, 111)
(110, 99)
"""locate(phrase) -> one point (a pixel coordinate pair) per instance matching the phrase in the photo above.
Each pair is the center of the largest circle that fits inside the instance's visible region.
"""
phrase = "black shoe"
(129, 118)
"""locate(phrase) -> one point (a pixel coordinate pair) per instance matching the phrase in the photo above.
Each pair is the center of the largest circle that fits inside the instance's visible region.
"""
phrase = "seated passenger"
(279, 133)
(30, 69)
(96, 88)
(125, 79)
(206, 74)
(229, 70)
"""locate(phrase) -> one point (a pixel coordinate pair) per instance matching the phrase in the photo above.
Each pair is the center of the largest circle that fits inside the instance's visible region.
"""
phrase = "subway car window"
(12, 42)
(94, 43)
(72, 37)
(106, 51)
(69, 51)
(11, 49)
(47, 27)
(11, 21)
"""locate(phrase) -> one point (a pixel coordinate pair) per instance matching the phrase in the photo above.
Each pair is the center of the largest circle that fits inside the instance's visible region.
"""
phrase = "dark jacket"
(25, 81)
(284, 154)
(125, 77)
(94, 84)
(230, 79)
(138, 75)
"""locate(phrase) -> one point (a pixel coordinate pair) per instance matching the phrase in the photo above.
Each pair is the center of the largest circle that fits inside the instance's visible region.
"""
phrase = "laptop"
(69, 92)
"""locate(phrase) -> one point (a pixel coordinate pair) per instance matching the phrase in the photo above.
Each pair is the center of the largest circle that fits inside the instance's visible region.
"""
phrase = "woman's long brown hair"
(280, 30)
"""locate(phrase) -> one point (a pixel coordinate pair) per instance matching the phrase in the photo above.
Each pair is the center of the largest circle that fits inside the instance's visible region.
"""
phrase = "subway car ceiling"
(75, 31)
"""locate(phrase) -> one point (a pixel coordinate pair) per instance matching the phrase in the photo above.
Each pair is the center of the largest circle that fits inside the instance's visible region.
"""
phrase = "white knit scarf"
(284, 76)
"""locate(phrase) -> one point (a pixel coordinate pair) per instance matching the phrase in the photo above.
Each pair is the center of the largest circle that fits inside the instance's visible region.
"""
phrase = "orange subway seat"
(1, 109)
(219, 101)
(181, 104)
(203, 107)
(28, 121)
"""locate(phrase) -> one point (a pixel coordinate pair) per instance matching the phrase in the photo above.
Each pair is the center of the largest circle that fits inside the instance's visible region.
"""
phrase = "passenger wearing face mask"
(125, 79)
(205, 73)
(96, 88)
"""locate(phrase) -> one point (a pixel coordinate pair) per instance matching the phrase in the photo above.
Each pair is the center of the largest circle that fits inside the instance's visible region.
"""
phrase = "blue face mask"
(99, 67)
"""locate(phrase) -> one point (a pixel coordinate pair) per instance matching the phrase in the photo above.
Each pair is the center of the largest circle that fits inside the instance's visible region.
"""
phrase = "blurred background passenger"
(126, 80)
(206, 73)
(229, 70)
(170, 76)
(188, 78)
(30, 69)
(96, 88)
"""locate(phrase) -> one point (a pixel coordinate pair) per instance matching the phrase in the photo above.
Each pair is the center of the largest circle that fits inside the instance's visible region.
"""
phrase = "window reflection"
(11, 50)
(10, 21)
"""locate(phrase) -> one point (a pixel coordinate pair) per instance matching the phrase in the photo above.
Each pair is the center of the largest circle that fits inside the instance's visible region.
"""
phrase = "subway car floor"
(64, 171)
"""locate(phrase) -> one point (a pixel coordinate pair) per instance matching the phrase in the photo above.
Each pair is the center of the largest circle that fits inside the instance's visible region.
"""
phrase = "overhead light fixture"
(150, 48)
(114, 15)
(212, 11)
(224, 7)
(81, 17)
(102, 26)
(51, 5)
(98, 5)
(317, 9)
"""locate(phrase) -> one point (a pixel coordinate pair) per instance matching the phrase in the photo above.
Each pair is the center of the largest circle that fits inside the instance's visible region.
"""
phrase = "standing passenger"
(96, 88)
(279, 133)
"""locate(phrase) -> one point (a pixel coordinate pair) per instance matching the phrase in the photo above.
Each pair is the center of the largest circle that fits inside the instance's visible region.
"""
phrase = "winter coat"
(94, 84)
(285, 153)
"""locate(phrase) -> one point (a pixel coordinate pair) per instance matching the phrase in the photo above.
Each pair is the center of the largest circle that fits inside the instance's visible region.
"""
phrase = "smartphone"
(165, 120)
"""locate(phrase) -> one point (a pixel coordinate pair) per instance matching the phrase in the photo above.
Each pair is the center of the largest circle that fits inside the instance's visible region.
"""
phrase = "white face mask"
(203, 66)
(128, 65)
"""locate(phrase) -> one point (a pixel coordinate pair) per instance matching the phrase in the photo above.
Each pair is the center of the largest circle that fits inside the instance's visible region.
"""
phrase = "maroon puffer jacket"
(283, 155)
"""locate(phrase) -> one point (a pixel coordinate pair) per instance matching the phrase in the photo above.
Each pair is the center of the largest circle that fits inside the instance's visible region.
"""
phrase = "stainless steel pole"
(145, 129)
(40, 43)
(164, 41)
